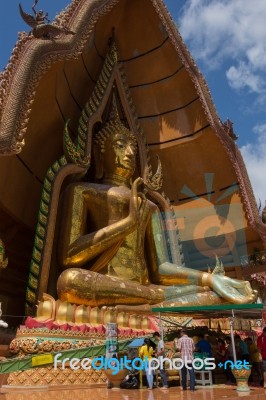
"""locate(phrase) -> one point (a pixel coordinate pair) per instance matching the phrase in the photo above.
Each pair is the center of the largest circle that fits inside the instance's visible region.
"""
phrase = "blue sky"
(227, 40)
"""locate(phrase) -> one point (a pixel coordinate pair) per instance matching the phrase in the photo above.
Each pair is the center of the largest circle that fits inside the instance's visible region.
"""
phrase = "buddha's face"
(119, 155)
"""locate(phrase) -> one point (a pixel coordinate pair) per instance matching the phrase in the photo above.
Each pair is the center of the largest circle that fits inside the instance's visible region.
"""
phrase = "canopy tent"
(217, 311)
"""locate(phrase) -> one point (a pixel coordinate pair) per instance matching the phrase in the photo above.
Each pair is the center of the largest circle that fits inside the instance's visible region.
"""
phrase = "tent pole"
(161, 326)
(231, 321)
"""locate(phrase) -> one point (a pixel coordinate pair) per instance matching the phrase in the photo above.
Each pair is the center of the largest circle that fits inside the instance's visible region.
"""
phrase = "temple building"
(44, 90)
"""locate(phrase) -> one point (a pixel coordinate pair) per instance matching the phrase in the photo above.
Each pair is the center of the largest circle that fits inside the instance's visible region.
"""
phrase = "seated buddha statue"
(107, 242)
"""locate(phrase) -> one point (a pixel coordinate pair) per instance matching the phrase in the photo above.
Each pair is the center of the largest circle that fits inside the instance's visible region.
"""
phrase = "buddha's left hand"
(235, 291)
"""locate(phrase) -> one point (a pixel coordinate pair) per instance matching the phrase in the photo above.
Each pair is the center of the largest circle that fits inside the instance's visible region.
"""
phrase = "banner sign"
(42, 360)
(111, 340)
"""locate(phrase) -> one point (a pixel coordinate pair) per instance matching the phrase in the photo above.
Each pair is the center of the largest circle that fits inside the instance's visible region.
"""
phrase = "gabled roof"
(46, 82)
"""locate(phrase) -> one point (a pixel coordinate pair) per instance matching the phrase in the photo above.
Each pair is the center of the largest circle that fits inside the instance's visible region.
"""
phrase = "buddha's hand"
(134, 208)
(232, 290)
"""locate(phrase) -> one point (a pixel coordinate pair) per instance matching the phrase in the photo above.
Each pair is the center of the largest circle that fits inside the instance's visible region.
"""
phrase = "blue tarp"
(136, 342)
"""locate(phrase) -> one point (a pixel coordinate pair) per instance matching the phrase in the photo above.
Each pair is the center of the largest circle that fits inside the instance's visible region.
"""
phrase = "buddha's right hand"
(134, 207)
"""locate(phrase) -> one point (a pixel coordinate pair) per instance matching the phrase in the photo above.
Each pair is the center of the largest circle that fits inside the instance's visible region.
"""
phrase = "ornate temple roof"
(47, 82)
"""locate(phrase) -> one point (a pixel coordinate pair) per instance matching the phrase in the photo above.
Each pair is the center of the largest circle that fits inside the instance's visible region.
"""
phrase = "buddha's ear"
(98, 157)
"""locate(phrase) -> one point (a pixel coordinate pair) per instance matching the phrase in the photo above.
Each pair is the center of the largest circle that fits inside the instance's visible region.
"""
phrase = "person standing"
(186, 347)
(160, 352)
(261, 343)
(203, 345)
(242, 348)
(229, 356)
(221, 352)
(146, 353)
(221, 357)
(255, 361)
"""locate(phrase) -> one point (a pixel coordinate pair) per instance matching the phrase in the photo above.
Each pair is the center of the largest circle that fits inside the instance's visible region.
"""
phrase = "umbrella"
(136, 342)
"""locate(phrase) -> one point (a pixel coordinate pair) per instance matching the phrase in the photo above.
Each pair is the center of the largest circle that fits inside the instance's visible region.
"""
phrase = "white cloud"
(229, 35)
(226, 31)
(242, 76)
(254, 155)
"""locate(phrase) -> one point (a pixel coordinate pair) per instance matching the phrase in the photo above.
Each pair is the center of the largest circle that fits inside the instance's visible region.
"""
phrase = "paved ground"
(215, 392)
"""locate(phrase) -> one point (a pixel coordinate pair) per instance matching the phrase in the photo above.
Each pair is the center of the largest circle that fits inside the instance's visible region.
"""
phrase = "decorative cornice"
(31, 58)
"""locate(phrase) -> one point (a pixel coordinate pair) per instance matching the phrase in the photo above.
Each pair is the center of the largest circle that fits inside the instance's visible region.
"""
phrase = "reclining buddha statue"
(112, 245)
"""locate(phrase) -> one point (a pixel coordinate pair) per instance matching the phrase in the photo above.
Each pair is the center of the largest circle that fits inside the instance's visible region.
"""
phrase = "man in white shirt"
(186, 347)
(160, 351)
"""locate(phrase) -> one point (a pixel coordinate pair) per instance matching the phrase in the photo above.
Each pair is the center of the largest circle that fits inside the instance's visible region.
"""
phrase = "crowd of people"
(250, 350)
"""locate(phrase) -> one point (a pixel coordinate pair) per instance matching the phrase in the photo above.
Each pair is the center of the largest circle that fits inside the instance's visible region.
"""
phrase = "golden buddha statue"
(108, 245)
